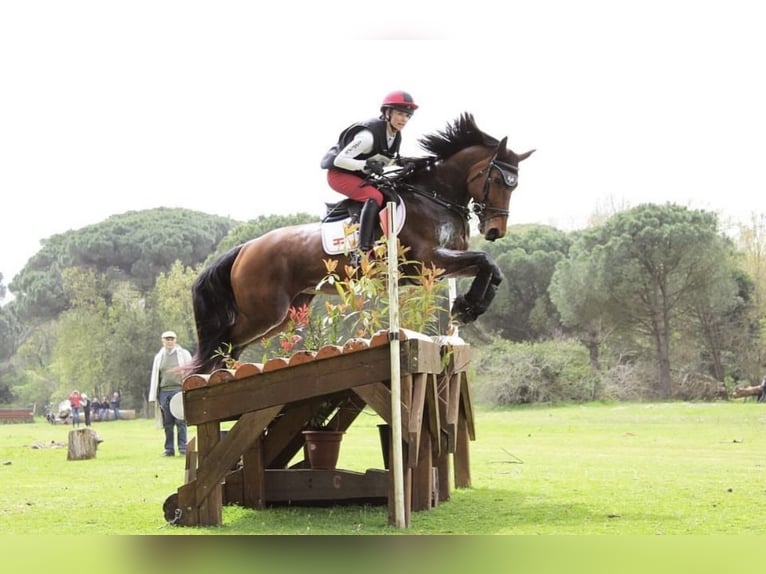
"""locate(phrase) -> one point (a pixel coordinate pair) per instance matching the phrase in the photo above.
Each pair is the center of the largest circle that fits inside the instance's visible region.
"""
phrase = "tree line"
(659, 292)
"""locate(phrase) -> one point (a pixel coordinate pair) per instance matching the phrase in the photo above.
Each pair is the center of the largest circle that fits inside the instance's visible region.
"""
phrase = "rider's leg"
(368, 220)
(358, 189)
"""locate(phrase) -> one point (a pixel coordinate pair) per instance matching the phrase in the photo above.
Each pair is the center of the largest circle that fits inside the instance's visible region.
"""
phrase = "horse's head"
(491, 181)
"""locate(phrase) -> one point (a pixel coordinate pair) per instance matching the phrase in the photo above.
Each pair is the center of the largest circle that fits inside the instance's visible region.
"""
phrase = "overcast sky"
(108, 107)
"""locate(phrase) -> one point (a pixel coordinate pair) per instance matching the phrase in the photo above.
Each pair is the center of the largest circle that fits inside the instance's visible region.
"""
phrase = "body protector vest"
(379, 146)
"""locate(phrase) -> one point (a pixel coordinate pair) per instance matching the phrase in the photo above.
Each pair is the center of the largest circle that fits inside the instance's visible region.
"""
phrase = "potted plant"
(321, 441)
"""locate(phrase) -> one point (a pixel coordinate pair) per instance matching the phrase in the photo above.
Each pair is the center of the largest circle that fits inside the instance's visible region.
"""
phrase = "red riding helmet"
(401, 101)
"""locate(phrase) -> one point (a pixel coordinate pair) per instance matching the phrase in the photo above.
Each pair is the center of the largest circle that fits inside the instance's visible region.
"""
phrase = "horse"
(246, 294)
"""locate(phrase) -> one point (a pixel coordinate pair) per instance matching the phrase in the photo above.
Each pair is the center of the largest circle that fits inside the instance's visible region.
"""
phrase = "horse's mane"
(458, 135)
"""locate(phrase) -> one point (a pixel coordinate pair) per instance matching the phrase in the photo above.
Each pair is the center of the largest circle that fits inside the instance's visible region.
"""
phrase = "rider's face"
(398, 119)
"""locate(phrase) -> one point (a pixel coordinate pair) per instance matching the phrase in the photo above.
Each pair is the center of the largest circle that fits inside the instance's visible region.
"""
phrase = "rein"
(508, 177)
(433, 196)
(396, 185)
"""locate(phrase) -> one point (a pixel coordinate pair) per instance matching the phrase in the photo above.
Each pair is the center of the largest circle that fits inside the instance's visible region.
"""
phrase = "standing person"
(75, 400)
(86, 406)
(363, 148)
(115, 404)
(164, 384)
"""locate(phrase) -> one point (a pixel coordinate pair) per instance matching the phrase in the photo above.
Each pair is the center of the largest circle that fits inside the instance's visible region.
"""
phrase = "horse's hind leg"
(282, 314)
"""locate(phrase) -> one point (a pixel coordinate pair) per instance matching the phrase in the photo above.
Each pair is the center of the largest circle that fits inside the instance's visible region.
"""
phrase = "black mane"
(458, 135)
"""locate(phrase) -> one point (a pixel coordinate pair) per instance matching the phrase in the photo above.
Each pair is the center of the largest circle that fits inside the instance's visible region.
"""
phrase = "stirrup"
(355, 257)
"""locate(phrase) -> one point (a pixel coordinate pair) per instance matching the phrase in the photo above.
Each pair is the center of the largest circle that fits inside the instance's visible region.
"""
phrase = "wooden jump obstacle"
(272, 403)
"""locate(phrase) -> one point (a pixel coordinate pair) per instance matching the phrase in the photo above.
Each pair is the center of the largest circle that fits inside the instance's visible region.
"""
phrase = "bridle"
(509, 177)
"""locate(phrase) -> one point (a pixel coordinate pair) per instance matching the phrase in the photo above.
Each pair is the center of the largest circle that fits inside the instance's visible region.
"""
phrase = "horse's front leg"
(487, 276)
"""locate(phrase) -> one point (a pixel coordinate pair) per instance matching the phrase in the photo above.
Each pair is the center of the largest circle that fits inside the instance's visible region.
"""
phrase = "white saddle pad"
(343, 237)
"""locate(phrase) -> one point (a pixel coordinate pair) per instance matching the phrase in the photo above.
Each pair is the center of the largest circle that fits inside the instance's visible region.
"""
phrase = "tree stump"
(82, 444)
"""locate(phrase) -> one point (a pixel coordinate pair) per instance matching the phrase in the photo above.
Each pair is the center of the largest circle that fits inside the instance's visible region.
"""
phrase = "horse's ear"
(524, 156)
(501, 146)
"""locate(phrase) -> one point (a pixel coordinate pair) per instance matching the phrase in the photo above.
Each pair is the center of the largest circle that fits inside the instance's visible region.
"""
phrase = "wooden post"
(82, 444)
(397, 466)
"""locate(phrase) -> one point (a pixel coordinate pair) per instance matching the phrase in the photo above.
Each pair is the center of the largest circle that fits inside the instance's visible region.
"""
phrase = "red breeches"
(353, 186)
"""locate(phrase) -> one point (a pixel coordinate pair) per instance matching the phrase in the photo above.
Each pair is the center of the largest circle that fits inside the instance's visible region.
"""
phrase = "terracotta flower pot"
(322, 448)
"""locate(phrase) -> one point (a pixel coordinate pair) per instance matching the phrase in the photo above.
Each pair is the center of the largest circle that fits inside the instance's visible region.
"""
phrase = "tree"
(653, 262)
(579, 299)
(135, 246)
(257, 227)
(527, 256)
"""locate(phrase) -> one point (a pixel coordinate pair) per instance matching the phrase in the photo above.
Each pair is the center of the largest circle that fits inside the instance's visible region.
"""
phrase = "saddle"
(340, 230)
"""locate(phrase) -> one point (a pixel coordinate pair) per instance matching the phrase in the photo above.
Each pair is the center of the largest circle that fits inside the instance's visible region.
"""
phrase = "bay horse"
(246, 294)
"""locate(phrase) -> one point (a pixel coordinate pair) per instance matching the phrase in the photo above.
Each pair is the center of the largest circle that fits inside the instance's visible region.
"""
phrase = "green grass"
(670, 468)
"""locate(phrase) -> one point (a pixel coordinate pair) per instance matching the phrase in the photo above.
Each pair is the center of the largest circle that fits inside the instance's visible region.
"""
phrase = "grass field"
(646, 469)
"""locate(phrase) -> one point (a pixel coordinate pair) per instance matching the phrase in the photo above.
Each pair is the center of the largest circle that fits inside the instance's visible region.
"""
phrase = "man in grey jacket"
(164, 385)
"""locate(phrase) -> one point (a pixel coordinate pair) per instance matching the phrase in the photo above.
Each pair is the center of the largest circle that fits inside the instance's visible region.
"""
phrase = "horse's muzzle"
(492, 234)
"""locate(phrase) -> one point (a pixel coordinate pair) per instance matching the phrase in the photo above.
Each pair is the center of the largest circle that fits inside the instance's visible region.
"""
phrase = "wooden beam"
(316, 378)
(415, 423)
(218, 461)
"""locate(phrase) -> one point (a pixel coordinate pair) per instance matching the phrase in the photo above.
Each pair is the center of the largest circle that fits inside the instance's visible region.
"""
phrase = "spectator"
(104, 409)
(86, 406)
(164, 384)
(115, 404)
(75, 401)
(95, 406)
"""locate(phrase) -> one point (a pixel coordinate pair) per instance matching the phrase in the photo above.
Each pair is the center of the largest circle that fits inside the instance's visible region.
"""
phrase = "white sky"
(221, 107)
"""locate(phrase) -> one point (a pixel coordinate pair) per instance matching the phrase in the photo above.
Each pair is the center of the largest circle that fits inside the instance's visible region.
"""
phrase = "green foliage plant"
(364, 299)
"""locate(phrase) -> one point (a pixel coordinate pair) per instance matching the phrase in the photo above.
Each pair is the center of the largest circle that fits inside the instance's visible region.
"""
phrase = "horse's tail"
(215, 310)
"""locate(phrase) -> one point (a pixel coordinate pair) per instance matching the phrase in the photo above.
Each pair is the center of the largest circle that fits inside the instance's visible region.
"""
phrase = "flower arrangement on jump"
(361, 307)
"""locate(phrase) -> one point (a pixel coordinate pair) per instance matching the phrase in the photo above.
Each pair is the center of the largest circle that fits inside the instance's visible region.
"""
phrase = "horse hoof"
(462, 311)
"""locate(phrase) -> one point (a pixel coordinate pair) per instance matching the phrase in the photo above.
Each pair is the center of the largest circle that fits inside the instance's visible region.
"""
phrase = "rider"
(365, 148)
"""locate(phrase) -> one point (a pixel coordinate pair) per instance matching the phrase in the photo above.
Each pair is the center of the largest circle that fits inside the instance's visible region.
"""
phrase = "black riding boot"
(368, 219)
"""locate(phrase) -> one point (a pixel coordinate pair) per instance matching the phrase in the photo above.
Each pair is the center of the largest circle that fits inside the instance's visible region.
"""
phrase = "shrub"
(550, 372)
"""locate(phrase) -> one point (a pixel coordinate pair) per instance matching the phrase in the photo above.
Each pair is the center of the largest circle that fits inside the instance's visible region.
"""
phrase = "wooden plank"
(192, 458)
(443, 459)
(253, 481)
(248, 370)
(286, 385)
(275, 364)
(458, 357)
(442, 464)
(284, 438)
(422, 476)
(194, 382)
(305, 485)
(300, 357)
(453, 410)
(188, 505)
(378, 397)
(221, 376)
(462, 456)
(466, 405)
(316, 378)
(356, 344)
(414, 425)
(209, 500)
(328, 351)
(232, 490)
(219, 460)
(433, 417)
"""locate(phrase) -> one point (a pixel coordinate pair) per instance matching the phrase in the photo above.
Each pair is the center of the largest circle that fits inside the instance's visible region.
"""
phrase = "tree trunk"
(82, 444)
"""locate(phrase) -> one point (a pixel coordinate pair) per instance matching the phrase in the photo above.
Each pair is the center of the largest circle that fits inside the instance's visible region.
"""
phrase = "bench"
(17, 416)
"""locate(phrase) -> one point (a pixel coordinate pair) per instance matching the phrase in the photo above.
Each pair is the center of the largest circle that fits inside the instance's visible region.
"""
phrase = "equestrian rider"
(365, 148)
